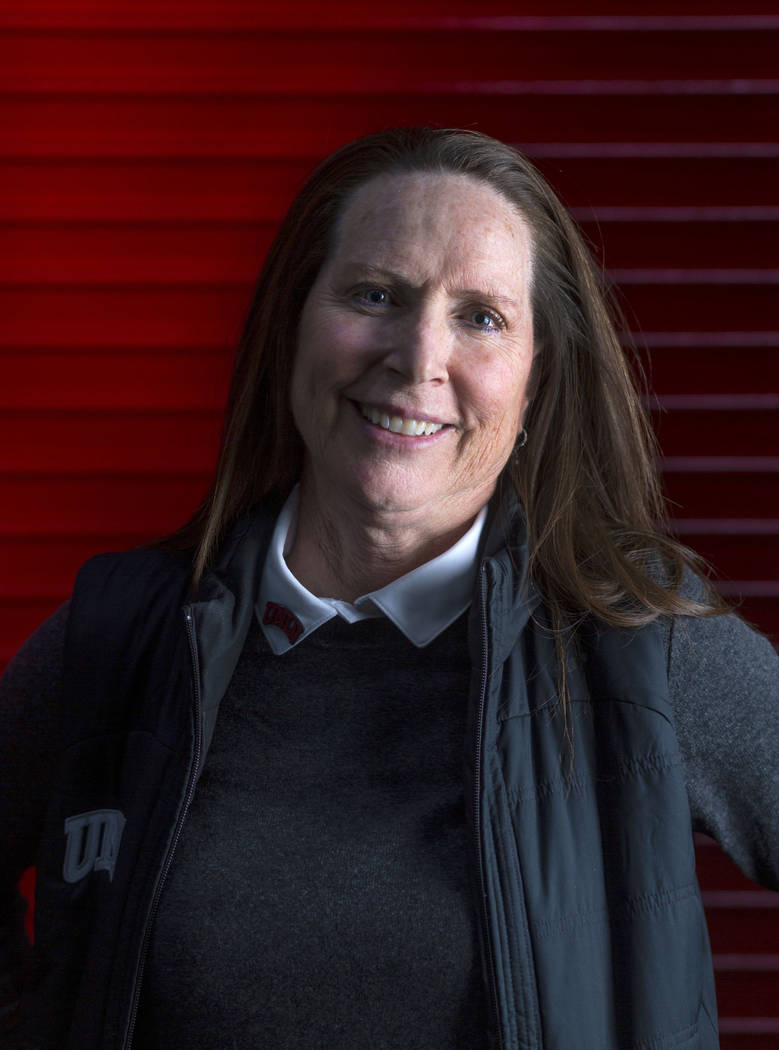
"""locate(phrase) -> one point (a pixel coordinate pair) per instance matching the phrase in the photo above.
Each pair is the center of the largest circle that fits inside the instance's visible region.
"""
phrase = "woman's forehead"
(425, 197)
(430, 217)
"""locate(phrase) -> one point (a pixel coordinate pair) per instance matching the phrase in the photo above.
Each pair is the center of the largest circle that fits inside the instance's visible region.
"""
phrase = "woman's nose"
(422, 346)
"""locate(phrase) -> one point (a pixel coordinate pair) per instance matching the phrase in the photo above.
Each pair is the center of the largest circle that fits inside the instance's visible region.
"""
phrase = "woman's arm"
(724, 684)
(29, 739)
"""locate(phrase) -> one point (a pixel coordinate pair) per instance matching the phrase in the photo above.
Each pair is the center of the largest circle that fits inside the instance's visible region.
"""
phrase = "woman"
(400, 741)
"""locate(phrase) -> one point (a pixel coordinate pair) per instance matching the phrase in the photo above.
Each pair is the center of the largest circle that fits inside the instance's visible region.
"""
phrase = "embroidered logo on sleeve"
(279, 616)
(92, 843)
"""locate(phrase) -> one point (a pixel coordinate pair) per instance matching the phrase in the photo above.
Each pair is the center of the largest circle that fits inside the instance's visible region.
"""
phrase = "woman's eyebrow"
(378, 273)
(485, 293)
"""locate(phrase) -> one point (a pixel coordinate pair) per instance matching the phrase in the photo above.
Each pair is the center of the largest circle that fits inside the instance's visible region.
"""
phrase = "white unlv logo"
(92, 843)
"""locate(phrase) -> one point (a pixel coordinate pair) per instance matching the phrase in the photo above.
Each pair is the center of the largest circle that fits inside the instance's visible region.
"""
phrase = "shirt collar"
(421, 604)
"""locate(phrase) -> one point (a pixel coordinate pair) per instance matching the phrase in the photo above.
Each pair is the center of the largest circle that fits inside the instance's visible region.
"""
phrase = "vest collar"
(511, 594)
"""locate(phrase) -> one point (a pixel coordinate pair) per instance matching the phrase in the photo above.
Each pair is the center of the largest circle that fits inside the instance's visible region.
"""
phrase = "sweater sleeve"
(723, 678)
(29, 741)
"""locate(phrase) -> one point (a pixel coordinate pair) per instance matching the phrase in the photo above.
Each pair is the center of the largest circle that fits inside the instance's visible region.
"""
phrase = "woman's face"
(414, 349)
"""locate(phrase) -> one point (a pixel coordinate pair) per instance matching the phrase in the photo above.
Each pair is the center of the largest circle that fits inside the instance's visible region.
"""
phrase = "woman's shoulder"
(723, 680)
(35, 672)
(724, 644)
(36, 668)
(161, 564)
(115, 593)
(30, 692)
(703, 639)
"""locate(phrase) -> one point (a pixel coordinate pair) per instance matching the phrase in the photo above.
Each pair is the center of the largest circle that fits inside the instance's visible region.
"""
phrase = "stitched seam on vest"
(666, 1042)
(651, 763)
(599, 702)
(643, 903)
(510, 962)
(531, 996)
(709, 1018)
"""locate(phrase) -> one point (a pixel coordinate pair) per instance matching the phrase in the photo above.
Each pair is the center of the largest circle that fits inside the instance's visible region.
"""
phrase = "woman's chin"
(387, 491)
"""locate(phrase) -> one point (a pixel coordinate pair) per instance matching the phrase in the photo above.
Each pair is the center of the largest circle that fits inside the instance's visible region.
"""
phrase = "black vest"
(591, 926)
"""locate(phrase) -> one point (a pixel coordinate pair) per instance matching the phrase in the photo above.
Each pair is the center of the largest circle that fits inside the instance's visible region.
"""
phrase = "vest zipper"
(190, 790)
(477, 807)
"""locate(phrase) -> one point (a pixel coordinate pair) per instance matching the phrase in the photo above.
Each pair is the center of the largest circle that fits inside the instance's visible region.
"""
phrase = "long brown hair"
(587, 477)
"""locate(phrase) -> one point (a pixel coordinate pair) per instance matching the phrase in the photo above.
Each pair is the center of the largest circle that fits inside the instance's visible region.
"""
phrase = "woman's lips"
(396, 429)
(398, 422)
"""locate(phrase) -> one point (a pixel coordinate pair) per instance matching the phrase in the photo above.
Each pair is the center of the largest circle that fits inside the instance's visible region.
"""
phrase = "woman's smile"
(388, 419)
(390, 430)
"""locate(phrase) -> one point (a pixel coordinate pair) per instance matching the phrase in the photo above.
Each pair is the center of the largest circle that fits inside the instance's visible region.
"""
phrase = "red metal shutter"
(149, 149)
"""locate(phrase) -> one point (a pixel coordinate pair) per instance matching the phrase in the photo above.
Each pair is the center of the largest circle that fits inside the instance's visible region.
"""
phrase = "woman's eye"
(373, 296)
(482, 319)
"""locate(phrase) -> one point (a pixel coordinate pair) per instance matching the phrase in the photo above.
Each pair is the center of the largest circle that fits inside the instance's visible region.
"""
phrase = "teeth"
(398, 425)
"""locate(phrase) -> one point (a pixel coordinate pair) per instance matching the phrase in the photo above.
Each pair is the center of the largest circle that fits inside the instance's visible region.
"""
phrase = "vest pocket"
(688, 1039)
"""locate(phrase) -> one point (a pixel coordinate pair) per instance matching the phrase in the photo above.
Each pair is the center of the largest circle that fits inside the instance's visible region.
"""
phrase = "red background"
(149, 149)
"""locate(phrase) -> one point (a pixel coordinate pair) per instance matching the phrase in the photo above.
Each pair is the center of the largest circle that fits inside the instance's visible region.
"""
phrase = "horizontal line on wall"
(720, 465)
(740, 899)
(743, 961)
(13, 536)
(91, 476)
(735, 339)
(748, 588)
(32, 600)
(650, 213)
(724, 526)
(181, 473)
(408, 86)
(334, 21)
(692, 276)
(176, 161)
(748, 1025)
(207, 407)
(106, 539)
(715, 402)
(732, 86)
(562, 150)
(136, 286)
(609, 23)
(131, 351)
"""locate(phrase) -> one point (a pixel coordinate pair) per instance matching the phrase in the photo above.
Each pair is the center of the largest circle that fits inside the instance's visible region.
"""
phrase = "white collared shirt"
(421, 604)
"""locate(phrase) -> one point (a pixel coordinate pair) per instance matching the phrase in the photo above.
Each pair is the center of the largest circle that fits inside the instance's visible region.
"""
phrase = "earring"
(521, 440)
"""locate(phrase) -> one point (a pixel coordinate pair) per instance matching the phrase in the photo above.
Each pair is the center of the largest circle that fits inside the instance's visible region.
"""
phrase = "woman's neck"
(346, 551)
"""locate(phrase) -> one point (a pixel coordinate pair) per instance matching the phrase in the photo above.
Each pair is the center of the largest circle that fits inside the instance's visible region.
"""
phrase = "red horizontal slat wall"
(149, 150)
